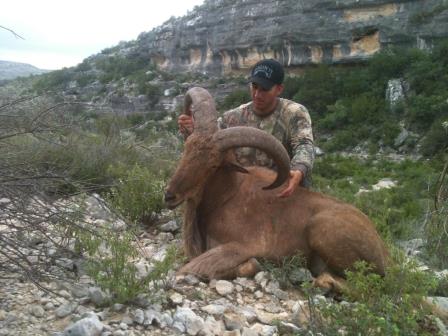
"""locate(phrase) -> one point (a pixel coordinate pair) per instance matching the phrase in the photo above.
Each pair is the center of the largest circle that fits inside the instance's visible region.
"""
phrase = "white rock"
(176, 298)
(249, 332)
(212, 327)
(66, 309)
(138, 316)
(37, 310)
(385, 183)
(185, 320)
(89, 326)
(171, 226)
(264, 330)
(214, 309)
(224, 287)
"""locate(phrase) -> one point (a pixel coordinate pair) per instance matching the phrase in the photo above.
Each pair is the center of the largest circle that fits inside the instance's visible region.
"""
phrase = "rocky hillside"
(11, 70)
(228, 35)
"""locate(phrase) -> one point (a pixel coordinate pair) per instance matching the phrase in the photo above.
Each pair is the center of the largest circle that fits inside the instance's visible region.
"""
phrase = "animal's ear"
(236, 167)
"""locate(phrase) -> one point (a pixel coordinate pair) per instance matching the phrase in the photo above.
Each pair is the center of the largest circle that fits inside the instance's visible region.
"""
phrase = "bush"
(318, 89)
(389, 305)
(436, 140)
(53, 81)
(138, 194)
(112, 268)
(397, 212)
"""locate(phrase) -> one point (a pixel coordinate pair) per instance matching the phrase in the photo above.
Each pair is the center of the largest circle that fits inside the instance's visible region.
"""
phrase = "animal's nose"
(169, 197)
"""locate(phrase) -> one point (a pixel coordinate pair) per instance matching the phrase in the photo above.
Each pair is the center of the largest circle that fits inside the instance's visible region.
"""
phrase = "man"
(288, 121)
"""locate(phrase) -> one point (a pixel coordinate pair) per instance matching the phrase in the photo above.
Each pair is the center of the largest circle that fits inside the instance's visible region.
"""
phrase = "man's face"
(264, 101)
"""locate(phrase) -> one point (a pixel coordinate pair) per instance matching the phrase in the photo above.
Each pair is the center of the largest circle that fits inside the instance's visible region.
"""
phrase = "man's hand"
(185, 123)
(295, 177)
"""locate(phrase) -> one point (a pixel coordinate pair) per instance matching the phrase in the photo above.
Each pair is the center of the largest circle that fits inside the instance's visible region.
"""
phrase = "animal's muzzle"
(171, 200)
(169, 197)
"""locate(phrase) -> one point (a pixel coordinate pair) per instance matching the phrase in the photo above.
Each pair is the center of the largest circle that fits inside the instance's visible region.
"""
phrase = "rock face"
(223, 36)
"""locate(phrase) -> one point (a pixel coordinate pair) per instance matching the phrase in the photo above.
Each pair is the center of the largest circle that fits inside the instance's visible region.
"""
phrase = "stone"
(249, 332)
(289, 328)
(138, 316)
(264, 330)
(401, 138)
(37, 311)
(224, 287)
(260, 277)
(235, 332)
(185, 320)
(384, 183)
(153, 317)
(143, 268)
(79, 291)
(176, 298)
(249, 313)
(65, 309)
(89, 326)
(4, 201)
(171, 226)
(97, 296)
(214, 309)
(117, 307)
(300, 275)
(212, 327)
(234, 321)
(268, 318)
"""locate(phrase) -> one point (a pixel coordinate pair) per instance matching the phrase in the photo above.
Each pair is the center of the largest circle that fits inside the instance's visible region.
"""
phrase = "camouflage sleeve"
(230, 118)
(302, 141)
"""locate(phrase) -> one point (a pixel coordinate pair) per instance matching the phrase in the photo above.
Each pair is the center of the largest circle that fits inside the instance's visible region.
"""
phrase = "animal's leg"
(341, 239)
(221, 262)
(330, 282)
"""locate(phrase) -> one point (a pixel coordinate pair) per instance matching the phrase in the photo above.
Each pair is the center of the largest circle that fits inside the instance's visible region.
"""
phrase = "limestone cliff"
(229, 35)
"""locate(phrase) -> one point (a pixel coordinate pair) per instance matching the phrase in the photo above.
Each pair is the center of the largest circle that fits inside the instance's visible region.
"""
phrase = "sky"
(58, 33)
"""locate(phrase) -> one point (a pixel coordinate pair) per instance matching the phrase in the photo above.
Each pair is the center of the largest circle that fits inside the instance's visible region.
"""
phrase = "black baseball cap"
(267, 73)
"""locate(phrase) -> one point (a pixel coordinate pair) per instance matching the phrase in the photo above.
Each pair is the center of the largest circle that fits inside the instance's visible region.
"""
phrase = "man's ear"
(280, 88)
(236, 167)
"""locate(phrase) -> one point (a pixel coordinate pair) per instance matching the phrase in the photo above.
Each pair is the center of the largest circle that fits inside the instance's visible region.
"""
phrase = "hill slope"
(11, 70)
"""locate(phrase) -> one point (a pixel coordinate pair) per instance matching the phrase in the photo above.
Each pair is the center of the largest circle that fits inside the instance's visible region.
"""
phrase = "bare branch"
(13, 32)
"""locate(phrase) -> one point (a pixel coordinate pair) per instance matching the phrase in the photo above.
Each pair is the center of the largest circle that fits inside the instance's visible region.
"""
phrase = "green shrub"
(442, 287)
(138, 194)
(291, 85)
(53, 81)
(389, 305)
(436, 140)
(424, 110)
(335, 118)
(112, 268)
(318, 89)
(397, 212)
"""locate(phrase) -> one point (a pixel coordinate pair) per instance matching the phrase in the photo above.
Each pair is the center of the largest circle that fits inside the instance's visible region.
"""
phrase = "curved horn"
(202, 109)
(243, 136)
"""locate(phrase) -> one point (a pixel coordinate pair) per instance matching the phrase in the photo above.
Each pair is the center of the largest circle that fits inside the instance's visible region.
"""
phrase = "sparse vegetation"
(110, 264)
(375, 305)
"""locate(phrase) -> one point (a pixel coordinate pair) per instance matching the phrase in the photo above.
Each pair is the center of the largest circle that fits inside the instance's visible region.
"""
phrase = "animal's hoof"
(248, 269)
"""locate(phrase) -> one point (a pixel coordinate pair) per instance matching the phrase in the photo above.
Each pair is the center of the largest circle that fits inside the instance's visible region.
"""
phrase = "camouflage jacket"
(290, 123)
